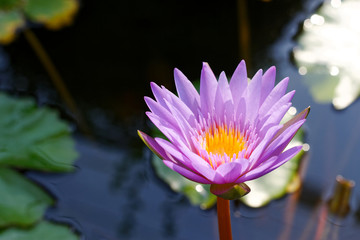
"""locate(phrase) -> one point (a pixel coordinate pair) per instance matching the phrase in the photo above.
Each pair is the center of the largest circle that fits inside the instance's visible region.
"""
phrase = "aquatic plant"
(228, 134)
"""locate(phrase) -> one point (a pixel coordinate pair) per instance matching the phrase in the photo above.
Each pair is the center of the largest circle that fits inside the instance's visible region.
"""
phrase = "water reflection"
(328, 52)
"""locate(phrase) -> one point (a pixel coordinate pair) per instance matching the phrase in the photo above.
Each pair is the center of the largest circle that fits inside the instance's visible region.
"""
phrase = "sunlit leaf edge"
(53, 14)
(10, 22)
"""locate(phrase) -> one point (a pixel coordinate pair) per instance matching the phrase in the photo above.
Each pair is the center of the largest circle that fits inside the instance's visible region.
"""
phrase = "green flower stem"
(224, 221)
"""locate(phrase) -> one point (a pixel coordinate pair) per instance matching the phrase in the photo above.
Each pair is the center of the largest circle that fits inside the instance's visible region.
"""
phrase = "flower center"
(221, 144)
(220, 140)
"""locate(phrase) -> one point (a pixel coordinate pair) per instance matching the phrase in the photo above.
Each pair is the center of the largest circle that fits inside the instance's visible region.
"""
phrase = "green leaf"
(42, 231)
(34, 138)
(198, 194)
(22, 202)
(54, 14)
(10, 4)
(10, 21)
(328, 53)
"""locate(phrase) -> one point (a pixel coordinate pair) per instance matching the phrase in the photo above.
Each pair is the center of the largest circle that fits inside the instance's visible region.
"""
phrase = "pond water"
(107, 59)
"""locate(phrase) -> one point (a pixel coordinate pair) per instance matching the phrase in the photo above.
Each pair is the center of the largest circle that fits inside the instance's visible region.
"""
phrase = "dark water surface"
(107, 59)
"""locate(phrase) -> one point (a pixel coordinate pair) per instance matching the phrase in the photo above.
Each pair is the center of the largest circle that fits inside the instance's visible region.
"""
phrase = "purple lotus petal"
(186, 173)
(162, 95)
(187, 92)
(261, 146)
(160, 111)
(229, 134)
(223, 105)
(179, 105)
(153, 145)
(238, 82)
(299, 117)
(219, 103)
(208, 85)
(267, 84)
(278, 144)
(240, 112)
(184, 127)
(256, 172)
(253, 97)
(277, 92)
(224, 88)
(172, 153)
(271, 164)
(274, 113)
(230, 171)
(284, 157)
(158, 94)
(201, 166)
(275, 117)
(167, 130)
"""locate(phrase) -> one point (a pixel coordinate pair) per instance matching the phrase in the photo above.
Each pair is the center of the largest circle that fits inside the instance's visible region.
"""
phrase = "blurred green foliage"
(53, 14)
(34, 138)
(22, 203)
(37, 139)
(42, 231)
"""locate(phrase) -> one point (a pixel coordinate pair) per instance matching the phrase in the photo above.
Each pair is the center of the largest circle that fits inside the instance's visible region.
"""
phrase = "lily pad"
(10, 4)
(22, 203)
(198, 194)
(328, 53)
(10, 21)
(54, 14)
(43, 230)
(34, 138)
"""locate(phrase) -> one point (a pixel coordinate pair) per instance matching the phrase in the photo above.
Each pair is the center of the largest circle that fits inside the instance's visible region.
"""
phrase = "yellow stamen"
(221, 140)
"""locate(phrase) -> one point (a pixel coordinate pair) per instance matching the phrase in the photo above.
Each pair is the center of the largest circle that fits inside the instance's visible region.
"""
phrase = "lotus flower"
(230, 132)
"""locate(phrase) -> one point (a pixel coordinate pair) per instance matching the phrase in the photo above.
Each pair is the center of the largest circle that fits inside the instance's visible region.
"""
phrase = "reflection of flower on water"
(230, 133)
(328, 54)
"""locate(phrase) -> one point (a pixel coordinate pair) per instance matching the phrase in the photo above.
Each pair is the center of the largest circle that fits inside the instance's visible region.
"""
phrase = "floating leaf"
(198, 194)
(54, 14)
(10, 21)
(329, 52)
(34, 138)
(43, 230)
(22, 203)
(10, 4)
